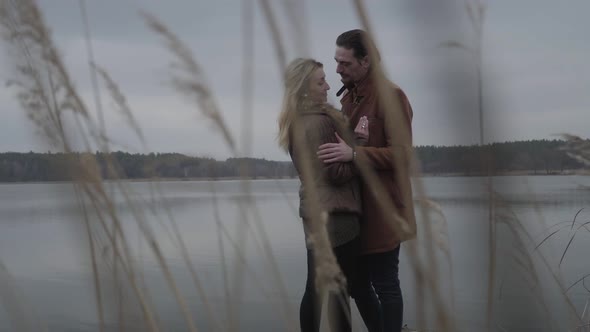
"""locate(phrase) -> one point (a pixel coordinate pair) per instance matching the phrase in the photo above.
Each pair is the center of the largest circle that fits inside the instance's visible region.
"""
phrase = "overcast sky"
(535, 68)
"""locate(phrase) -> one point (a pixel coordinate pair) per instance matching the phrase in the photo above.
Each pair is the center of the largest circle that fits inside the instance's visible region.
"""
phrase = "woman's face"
(318, 87)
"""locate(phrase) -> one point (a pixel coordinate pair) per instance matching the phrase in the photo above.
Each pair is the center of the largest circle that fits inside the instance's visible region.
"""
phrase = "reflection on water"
(42, 244)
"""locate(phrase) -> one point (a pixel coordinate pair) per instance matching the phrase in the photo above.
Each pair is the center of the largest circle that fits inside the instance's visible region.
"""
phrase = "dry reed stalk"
(275, 33)
(121, 103)
(230, 319)
(394, 114)
(93, 76)
(297, 19)
(247, 96)
(18, 310)
(526, 246)
(176, 236)
(329, 277)
(476, 10)
(520, 256)
(150, 237)
(189, 80)
(46, 93)
(46, 90)
(95, 273)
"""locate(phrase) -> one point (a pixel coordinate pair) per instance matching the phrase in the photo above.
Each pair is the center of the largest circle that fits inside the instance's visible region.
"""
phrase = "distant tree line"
(535, 157)
(23, 167)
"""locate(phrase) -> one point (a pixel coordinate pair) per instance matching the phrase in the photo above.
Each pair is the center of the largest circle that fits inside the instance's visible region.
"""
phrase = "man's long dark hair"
(359, 42)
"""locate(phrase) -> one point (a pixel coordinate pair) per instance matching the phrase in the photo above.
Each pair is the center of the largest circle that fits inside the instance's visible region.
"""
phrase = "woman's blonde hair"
(297, 77)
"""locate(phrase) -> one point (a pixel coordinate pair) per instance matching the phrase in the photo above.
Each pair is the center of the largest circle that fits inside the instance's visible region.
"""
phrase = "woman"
(307, 121)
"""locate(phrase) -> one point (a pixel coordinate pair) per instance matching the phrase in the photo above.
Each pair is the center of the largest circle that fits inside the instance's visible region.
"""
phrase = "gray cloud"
(534, 67)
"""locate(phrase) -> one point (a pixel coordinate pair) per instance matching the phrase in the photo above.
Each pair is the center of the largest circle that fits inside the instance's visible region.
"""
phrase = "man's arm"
(398, 139)
(341, 151)
(335, 152)
(322, 132)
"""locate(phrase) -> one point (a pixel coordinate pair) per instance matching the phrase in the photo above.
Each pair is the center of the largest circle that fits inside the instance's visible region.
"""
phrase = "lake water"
(47, 271)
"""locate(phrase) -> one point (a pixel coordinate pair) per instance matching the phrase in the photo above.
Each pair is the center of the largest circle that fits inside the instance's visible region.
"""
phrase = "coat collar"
(316, 109)
(359, 90)
(326, 109)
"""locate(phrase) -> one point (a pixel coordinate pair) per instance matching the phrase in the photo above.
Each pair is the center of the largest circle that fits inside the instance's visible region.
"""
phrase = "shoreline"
(237, 178)
(510, 173)
(229, 178)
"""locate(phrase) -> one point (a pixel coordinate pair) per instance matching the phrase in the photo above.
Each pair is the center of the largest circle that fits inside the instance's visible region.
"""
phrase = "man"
(388, 212)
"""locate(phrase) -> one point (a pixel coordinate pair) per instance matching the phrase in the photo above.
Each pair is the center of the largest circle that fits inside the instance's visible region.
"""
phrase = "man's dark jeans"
(377, 285)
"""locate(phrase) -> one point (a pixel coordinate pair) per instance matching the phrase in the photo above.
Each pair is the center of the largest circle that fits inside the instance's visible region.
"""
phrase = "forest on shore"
(538, 157)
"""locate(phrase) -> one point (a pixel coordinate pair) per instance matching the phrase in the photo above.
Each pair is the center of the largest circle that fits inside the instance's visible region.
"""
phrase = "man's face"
(350, 69)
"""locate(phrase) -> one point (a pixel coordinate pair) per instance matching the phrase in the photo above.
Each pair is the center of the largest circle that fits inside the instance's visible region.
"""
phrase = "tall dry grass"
(46, 92)
(476, 10)
(530, 264)
(52, 102)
